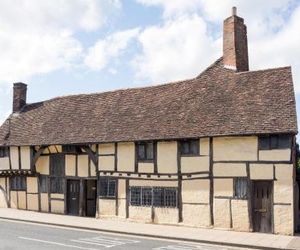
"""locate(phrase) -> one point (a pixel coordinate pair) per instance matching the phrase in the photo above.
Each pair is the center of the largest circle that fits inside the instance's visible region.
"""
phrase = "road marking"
(191, 247)
(55, 243)
(104, 241)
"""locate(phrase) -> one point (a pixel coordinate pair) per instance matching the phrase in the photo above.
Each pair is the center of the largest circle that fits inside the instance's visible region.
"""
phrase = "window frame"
(189, 143)
(107, 181)
(235, 188)
(275, 141)
(4, 152)
(57, 185)
(141, 200)
(146, 146)
(18, 183)
(44, 184)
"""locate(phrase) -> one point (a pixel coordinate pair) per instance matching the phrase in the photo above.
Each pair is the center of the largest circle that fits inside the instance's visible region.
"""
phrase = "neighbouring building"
(215, 151)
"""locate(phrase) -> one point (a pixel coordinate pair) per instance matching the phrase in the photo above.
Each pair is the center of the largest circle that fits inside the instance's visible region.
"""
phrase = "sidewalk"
(213, 236)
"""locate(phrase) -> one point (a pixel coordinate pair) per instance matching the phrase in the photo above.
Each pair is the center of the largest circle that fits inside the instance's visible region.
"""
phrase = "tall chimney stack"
(19, 96)
(235, 44)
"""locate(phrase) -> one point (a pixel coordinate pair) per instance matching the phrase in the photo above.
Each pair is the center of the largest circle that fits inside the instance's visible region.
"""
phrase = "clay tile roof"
(217, 102)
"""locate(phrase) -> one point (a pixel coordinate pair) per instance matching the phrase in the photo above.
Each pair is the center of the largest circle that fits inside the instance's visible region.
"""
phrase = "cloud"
(40, 36)
(105, 50)
(176, 50)
(190, 37)
(174, 7)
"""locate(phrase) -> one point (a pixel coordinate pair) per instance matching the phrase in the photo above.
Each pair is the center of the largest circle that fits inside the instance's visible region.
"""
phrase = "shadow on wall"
(3, 198)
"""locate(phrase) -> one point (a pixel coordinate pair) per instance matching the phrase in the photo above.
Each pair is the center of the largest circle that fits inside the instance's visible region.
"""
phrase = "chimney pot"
(234, 11)
(19, 96)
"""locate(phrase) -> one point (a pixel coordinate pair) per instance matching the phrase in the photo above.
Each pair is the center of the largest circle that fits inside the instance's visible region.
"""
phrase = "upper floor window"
(18, 183)
(4, 151)
(71, 149)
(145, 151)
(189, 147)
(274, 142)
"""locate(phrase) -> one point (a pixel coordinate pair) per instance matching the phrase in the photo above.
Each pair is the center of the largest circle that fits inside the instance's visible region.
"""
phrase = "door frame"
(82, 193)
(272, 203)
(67, 196)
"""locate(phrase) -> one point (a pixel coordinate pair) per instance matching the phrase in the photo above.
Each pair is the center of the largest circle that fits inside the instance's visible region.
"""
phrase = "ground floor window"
(108, 187)
(56, 185)
(240, 188)
(153, 196)
(18, 183)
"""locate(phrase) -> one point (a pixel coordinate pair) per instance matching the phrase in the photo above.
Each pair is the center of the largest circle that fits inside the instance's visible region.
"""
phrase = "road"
(19, 235)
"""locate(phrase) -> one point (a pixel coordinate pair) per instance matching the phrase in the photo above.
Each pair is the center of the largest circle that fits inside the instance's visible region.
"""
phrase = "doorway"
(73, 194)
(91, 197)
(262, 206)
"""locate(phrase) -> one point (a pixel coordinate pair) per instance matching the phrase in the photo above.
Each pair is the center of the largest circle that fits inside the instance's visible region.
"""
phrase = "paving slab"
(201, 235)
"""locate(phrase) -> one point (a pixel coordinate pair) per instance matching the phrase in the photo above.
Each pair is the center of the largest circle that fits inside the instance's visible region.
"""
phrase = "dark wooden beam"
(91, 154)
(36, 156)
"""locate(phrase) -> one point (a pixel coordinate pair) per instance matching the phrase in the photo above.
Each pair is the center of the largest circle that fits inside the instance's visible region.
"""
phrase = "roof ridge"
(268, 69)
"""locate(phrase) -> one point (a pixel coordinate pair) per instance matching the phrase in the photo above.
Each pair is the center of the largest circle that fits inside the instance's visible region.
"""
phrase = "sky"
(63, 47)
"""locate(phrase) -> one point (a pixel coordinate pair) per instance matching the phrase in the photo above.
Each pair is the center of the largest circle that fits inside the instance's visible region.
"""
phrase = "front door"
(262, 206)
(91, 194)
(73, 190)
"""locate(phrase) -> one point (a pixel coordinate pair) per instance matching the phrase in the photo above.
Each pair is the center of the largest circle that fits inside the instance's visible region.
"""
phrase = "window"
(274, 142)
(145, 151)
(57, 165)
(4, 152)
(240, 188)
(57, 171)
(44, 184)
(71, 149)
(153, 196)
(108, 187)
(56, 185)
(189, 147)
(18, 183)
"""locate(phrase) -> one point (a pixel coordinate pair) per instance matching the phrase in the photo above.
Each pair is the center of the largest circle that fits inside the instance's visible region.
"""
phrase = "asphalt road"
(19, 235)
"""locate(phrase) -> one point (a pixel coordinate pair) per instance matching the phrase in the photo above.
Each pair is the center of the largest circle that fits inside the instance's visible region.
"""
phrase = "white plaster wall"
(240, 215)
(222, 213)
(4, 163)
(196, 215)
(194, 164)
(14, 156)
(195, 191)
(25, 157)
(275, 155)
(229, 169)
(283, 219)
(44, 202)
(167, 157)
(32, 202)
(236, 148)
(107, 207)
(126, 156)
(142, 214)
(32, 185)
(166, 215)
(223, 187)
(204, 146)
(106, 148)
(42, 165)
(83, 166)
(3, 202)
(145, 167)
(261, 172)
(107, 163)
(70, 165)
(57, 206)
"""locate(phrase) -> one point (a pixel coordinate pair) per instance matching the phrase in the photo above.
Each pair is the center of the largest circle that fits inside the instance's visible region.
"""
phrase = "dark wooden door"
(262, 206)
(73, 191)
(91, 197)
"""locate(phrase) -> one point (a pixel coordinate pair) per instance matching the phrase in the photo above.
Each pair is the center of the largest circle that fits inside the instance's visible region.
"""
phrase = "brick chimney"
(235, 44)
(19, 96)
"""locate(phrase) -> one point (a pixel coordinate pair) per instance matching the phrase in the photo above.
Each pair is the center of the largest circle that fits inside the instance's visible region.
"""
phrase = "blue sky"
(64, 47)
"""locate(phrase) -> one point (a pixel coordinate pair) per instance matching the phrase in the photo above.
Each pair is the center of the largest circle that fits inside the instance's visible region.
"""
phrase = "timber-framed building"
(214, 151)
